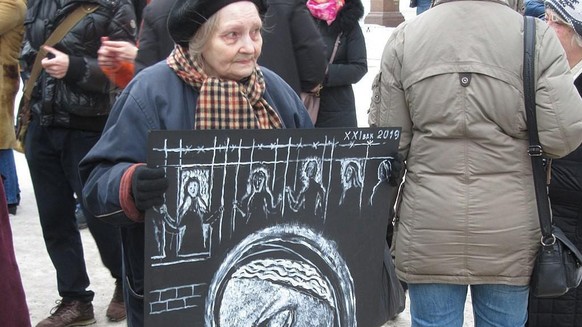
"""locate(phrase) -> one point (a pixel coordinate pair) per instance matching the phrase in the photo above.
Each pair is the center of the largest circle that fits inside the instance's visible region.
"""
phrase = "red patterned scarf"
(225, 104)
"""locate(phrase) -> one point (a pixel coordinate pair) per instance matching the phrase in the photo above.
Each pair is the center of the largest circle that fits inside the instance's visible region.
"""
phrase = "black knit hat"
(186, 16)
(569, 10)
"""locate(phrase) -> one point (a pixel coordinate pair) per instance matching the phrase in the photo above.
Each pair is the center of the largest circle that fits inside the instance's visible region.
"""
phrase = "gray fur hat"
(568, 10)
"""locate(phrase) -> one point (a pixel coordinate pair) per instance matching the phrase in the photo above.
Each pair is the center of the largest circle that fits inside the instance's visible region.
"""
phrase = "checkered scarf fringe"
(224, 104)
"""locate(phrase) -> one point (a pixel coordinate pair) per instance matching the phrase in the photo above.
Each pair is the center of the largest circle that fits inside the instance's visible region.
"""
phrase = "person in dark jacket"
(292, 45)
(334, 18)
(176, 95)
(70, 103)
(565, 191)
(154, 42)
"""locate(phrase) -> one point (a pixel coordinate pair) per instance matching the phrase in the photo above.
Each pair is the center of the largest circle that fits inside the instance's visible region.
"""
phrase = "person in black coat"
(70, 104)
(292, 46)
(154, 40)
(338, 106)
(565, 189)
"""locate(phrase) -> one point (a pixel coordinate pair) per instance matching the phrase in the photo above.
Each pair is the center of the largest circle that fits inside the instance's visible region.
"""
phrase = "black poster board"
(269, 227)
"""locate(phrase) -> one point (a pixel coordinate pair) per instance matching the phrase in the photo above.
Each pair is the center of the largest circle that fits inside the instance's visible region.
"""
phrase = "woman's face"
(311, 169)
(235, 45)
(565, 32)
(193, 188)
(349, 173)
(258, 180)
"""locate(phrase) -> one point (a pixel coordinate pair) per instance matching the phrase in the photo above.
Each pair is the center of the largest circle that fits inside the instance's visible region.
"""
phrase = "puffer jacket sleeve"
(123, 143)
(122, 27)
(559, 106)
(351, 68)
(388, 107)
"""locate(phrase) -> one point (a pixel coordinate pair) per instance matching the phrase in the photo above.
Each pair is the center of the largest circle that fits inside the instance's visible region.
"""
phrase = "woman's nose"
(248, 45)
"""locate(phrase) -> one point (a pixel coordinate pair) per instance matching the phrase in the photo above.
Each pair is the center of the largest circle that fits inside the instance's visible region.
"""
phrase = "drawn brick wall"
(175, 298)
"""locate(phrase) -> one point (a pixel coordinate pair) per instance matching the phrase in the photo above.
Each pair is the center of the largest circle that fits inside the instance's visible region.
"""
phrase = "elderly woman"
(217, 46)
(565, 191)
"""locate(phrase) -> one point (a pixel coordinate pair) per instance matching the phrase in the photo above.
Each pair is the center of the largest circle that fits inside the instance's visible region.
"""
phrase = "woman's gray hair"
(199, 40)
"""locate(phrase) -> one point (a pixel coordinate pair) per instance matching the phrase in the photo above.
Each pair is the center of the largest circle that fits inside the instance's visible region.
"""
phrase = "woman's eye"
(231, 35)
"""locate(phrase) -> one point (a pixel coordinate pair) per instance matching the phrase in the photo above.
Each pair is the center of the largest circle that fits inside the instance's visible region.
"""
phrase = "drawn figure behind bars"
(257, 204)
(350, 199)
(190, 231)
(310, 199)
(380, 191)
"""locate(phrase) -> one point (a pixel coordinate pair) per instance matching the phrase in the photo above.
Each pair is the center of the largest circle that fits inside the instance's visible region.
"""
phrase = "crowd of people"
(103, 73)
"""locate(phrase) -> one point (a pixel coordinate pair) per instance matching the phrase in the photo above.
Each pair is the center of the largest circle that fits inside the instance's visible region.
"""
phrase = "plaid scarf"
(225, 104)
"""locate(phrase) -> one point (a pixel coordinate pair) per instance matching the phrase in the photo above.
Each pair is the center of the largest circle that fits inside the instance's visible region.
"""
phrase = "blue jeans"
(442, 305)
(8, 170)
(422, 6)
(53, 156)
(132, 237)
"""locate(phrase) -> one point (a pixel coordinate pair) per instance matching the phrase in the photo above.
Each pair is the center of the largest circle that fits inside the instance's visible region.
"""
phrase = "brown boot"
(116, 308)
(68, 314)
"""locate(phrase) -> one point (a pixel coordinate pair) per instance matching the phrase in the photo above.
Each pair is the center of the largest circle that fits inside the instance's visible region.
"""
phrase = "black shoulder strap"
(535, 150)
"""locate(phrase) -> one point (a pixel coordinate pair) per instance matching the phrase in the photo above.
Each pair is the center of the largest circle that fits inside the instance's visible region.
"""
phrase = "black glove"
(148, 186)
(391, 170)
(397, 170)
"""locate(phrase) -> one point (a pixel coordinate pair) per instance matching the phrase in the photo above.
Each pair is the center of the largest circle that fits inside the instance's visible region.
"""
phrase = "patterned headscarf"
(225, 104)
(325, 9)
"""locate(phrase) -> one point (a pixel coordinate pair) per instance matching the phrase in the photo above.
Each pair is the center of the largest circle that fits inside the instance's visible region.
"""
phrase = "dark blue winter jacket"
(166, 104)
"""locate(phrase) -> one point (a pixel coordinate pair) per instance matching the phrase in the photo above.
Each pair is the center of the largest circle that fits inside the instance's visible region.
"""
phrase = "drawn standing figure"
(190, 231)
(352, 187)
(382, 192)
(258, 202)
(384, 170)
(196, 218)
(310, 200)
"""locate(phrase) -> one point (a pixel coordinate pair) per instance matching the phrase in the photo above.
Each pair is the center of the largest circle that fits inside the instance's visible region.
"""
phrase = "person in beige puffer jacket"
(452, 79)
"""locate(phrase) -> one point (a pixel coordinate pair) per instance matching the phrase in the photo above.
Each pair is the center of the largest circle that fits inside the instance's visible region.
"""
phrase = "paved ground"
(38, 274)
